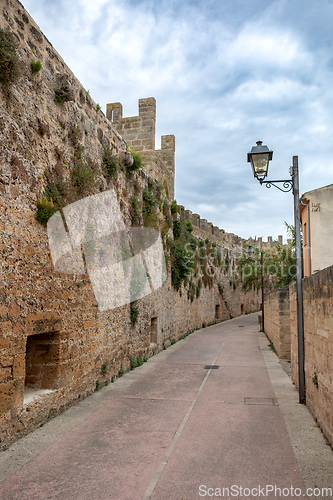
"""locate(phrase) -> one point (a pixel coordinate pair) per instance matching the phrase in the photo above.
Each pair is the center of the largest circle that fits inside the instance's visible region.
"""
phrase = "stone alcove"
(43, 354)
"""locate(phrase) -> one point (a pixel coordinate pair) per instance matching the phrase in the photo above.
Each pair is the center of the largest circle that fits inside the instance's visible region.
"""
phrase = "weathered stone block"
(3, 310)
(5, 374)
(42, 323)
(6, 327)
(19, 366)
(5, 343)
(11, 395)
(44, 353)
(51, 375)
(66, 84)
(6, 361)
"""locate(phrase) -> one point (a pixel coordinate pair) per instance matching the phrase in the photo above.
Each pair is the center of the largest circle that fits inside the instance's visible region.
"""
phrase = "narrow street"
(214, 411)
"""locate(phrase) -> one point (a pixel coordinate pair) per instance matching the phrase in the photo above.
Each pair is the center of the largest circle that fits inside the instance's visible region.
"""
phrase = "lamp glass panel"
(260, 164)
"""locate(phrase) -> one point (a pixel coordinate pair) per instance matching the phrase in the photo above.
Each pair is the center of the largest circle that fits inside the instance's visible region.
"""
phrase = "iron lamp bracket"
(287, 185)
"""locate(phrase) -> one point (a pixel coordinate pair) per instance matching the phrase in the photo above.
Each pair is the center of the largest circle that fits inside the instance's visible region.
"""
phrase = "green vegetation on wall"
(83, 174)
(60, 96)
(36, 66)
(70, 182)
(135, 210)
(134, 314)
(279, 268)
(182, 250)
(174, 207)
(111, 164)
(45, 210)
(10, 65)
(149, 208)
(137, 164)
(167, 218)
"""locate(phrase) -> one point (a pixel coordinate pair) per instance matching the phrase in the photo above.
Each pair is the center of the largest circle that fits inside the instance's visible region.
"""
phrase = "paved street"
(199, 417)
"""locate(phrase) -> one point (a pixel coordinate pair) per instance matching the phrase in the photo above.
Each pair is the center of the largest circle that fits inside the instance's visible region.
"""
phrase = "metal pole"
(262, 291)
(300, 325)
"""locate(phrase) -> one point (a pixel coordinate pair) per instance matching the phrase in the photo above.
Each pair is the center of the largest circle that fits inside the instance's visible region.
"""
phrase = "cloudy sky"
(225, 74)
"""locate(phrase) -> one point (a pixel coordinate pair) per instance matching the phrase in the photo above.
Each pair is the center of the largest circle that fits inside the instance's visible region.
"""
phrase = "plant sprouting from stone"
(60, 96)
(134, 314)
(36, 66)
(104, 368)
(10, 67)
(137, 163)
(149, 208)
(110, 164)
(174, 207)
(45, 209)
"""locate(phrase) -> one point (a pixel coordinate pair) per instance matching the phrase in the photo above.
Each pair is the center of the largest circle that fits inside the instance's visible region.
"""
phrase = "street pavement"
(198, 420)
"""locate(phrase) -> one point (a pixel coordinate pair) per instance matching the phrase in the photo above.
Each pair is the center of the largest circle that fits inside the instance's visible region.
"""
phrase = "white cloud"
(279, 89)
(91, 11)
(223, 78)
(259, 46)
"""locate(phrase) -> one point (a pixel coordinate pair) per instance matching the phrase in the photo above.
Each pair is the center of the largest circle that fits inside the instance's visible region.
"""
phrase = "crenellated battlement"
(203, 228)
(139, 133)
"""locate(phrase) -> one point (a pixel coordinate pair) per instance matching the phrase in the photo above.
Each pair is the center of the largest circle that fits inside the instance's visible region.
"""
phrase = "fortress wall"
(54, 340)
(204, 229)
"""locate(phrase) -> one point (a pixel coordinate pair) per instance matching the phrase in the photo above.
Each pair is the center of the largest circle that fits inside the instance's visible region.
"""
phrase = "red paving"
(176, 431)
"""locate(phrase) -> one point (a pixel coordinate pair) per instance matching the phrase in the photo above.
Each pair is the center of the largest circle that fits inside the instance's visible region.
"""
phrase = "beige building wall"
(317, 222)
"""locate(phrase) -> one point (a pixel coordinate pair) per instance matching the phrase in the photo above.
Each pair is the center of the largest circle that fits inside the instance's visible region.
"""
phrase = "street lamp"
(259, 158)
(249, 252)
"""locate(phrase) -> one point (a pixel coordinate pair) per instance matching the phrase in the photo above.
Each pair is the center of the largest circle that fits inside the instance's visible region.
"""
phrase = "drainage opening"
(259, 401)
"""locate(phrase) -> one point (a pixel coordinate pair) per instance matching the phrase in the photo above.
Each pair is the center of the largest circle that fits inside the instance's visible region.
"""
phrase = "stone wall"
(56, 345)
(277, 321)
(36, 134)
(318, 345)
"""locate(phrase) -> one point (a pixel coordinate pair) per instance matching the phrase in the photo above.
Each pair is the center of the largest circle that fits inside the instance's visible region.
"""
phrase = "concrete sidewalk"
(196, 418)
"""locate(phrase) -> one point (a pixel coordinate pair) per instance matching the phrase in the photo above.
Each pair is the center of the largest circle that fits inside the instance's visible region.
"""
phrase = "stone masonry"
(318, 345)
(277, 321)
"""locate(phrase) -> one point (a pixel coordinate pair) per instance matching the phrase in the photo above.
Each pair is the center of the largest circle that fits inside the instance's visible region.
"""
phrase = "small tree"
(279, 268)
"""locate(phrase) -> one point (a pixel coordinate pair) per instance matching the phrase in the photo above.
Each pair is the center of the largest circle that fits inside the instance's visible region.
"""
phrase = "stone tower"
(139, 133)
